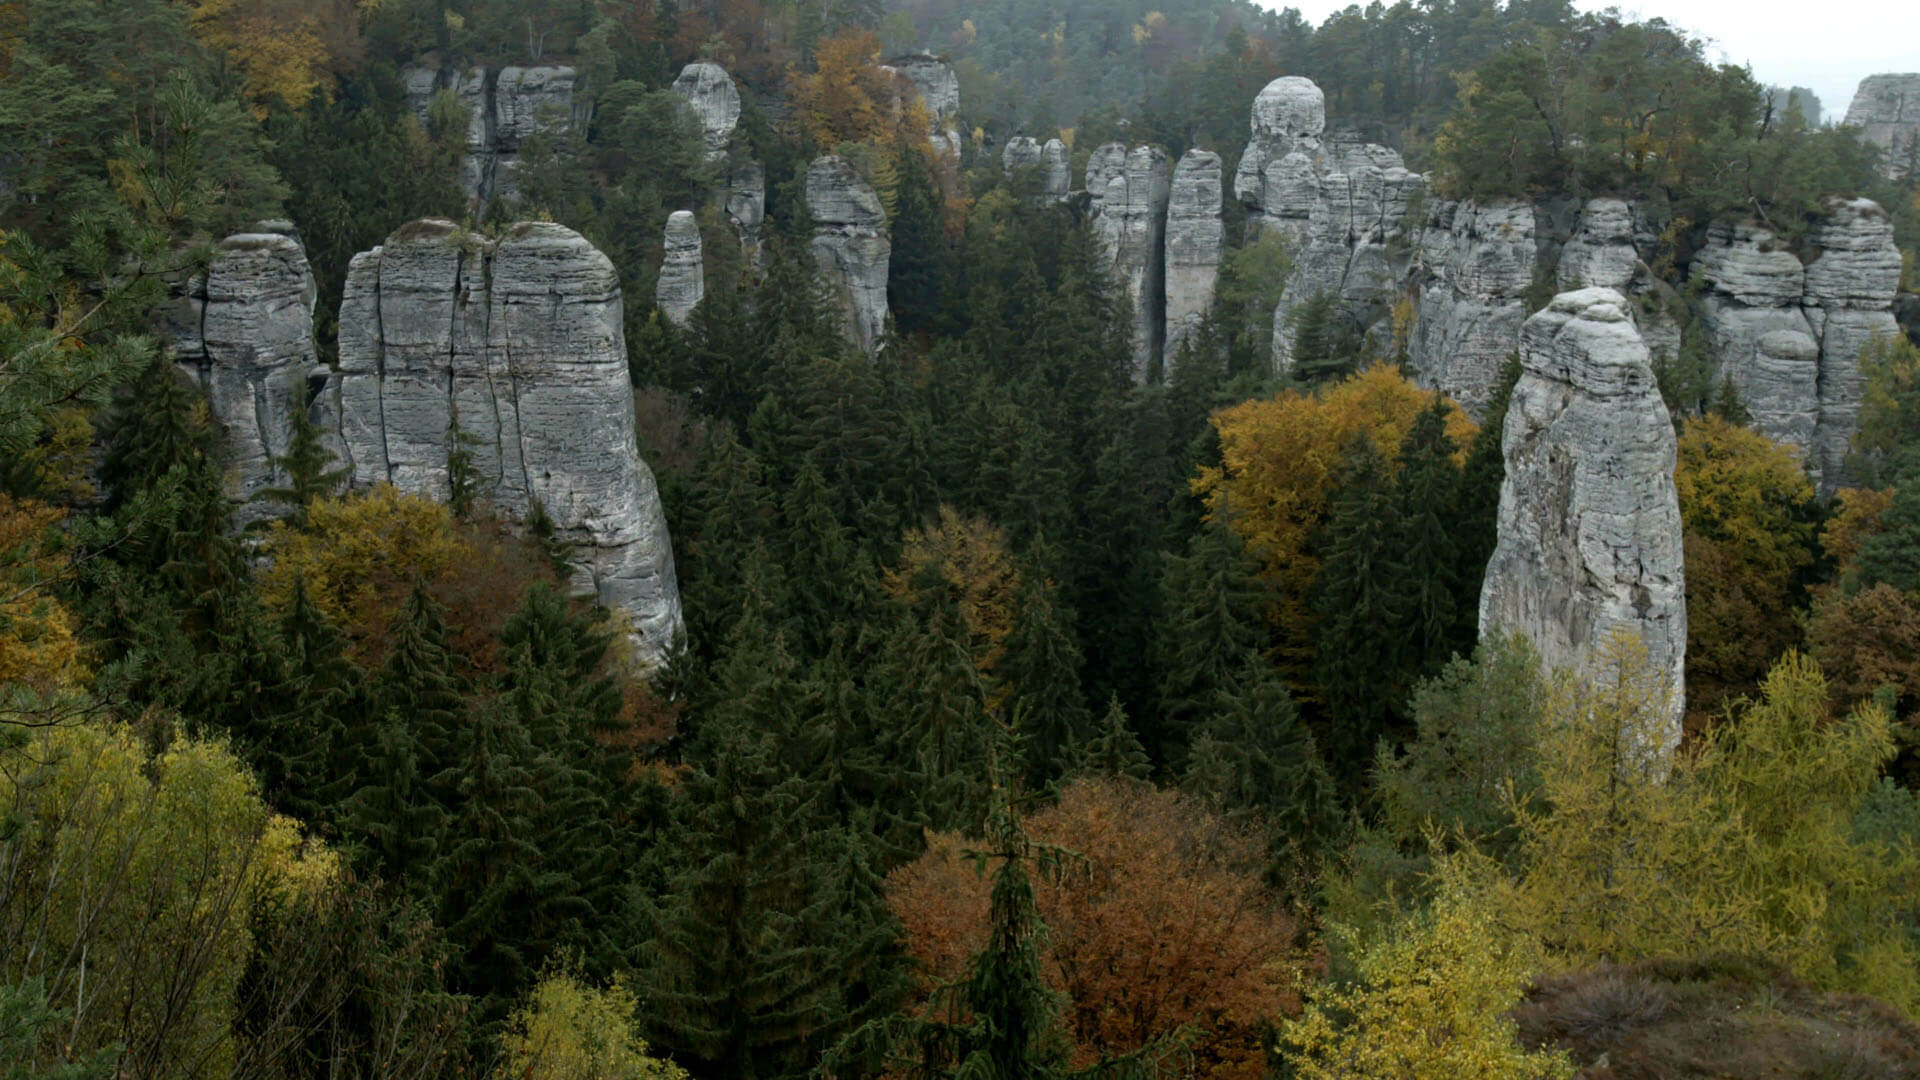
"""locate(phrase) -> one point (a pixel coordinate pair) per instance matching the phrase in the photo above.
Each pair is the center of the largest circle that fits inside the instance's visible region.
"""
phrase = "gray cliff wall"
(1195, 242)
(1589, 527)
(521, 339)
(504, 107)
(851, 246)
(1128, 190)
(1886, 109)
(683, 282)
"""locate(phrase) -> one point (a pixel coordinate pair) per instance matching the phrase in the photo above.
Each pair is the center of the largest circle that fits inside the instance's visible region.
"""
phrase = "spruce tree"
(1478, 506)
(1318, 351)
(305, 467)
(1256, 758)
(1213, 597)
(1039, 679)
(939, 704)
(819, 560)
(1114, 750)
(1361, 597)
(1426, 495)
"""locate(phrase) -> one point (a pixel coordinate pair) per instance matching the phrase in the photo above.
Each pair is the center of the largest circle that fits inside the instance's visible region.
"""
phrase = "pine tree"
(305, 467)
(1361, 652)
(1213, 619)
(1114, 750)
(938, 700)
(1039, 680)
(1426, 495)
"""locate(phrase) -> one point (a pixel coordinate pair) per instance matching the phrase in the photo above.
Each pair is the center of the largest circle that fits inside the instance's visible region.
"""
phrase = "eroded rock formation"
(709, 90)
(850, 245)
(244, 329)
(939, 88)
(1276, 177)
(1474, 265)
(1589, 532)
(1850, 289)
(1194, 242)
(503, 108)
(683, 279)
(1887, 110)
(519, 341)
(1051, 159)
(1128, 191)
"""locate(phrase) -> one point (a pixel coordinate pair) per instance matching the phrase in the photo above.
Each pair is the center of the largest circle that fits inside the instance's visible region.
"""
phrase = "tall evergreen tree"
(1257, 759)
(1213, 620)
(1114, 750)
(1478, 511)
(1039, 679)
(305, 467)
(1426, 495)
(1360, 649)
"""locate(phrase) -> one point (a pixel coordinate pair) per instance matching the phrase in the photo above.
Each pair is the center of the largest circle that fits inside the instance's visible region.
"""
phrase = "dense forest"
(1030, 720)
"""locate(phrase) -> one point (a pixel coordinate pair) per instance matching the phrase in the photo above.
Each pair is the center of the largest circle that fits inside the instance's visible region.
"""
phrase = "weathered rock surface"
(1849, 296)
(683, 277)
(1759, 337)
(1129, 190)
(1051, 159)
(1276, 179)
(715, 100)
(520, 340)
(1475, 263)
(1021, 152)
(939, 88)
(1194, 242)
(850, 245)
(244, 329)
(1605, 249)
(1589, 531)
(746, 204)
(1356, 249)
(503, 107)
(1887, 110)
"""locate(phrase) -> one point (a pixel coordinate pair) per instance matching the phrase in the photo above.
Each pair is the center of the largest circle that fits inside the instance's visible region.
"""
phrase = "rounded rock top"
(1290, 106)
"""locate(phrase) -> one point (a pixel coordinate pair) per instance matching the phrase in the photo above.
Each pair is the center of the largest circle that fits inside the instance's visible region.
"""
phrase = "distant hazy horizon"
(1827, 48)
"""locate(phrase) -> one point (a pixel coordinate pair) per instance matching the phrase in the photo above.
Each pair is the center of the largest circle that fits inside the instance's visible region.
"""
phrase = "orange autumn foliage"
(847, 98)
(1856, 517)
(1161, 921)
(1278, 459)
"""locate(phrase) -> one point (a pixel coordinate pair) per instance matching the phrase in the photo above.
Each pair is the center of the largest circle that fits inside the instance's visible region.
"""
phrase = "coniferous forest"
(981, 669)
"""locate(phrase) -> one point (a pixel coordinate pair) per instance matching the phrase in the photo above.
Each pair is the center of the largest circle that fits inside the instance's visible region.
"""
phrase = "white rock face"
(503, 109)
(851, 246)
(1887, 110)
(1276, 177)
(939, 88)
(683, 277)
(521, 339)
(1848, 301)
(1604, 251)
(244, 329)
(1129, 191)
(1760, 339)
(715, 100)
(1475, 263)
(1589, 533)
(1195, 238)
(1356, 249)
(1052, 159)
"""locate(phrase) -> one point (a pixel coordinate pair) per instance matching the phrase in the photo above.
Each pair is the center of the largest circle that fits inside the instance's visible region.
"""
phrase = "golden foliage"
(1162, 921)
(571, 1030)
(1866, 640)
(38, 647)
(358, 552)
(1278, 459)
(285, 49)
(847, 98)
(1433, 1000)
(1855, 518)
(972, 557)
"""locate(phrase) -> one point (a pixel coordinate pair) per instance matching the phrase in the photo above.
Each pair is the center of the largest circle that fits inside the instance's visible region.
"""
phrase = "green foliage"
(571, 1029)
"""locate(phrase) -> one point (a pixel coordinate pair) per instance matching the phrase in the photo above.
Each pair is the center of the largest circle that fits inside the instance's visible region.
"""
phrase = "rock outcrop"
(1589, 531)
(851, 246)
(1474, 266)
(504, 108)
(1276, 177)
(1195, 238)
(939, 88)
(1761, 340)
(710, 91)
(519, 341)
(1848, 301)
(244, 329)
(683, 278)
(1886, 108)
(1128, 191)
(1051, 159)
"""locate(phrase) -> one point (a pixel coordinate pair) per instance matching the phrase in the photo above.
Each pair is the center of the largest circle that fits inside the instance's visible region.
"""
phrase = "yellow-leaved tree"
(1743, 500)
(569, 1029)
(284, 49)
(1432, 999)
(39, 651)
(357, 553)
(969, 556)
(1278, 459)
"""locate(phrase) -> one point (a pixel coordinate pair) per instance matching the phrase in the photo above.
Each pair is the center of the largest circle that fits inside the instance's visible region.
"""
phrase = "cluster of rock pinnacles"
(516, 342)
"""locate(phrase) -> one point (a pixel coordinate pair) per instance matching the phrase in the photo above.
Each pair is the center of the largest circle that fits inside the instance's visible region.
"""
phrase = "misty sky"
(1826, 45)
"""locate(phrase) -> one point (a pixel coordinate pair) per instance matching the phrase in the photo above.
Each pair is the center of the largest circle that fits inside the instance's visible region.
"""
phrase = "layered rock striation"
(1473, 266)
(1886, 109)
(1589, 528)
(1848, 301)
(851, 246)
(683, 281)
(503, 107)
(1276, 179)
(1195, 242)
(939, 88)
(244, 330)
(512, 348)
(1128, 192)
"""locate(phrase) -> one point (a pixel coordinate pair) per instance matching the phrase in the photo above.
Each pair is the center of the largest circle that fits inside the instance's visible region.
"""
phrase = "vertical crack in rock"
(1195, 239)
(1129, 190)
(850, 246)
(1589, 528)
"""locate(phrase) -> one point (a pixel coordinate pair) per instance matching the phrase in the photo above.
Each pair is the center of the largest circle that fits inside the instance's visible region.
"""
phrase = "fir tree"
(305, 467)
(1257, 759)
(1426, 496)
(1478, 507)
(1039, 679)
(1213, 619)
(1114, 749)
(1318, 352)
(1360, 647)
